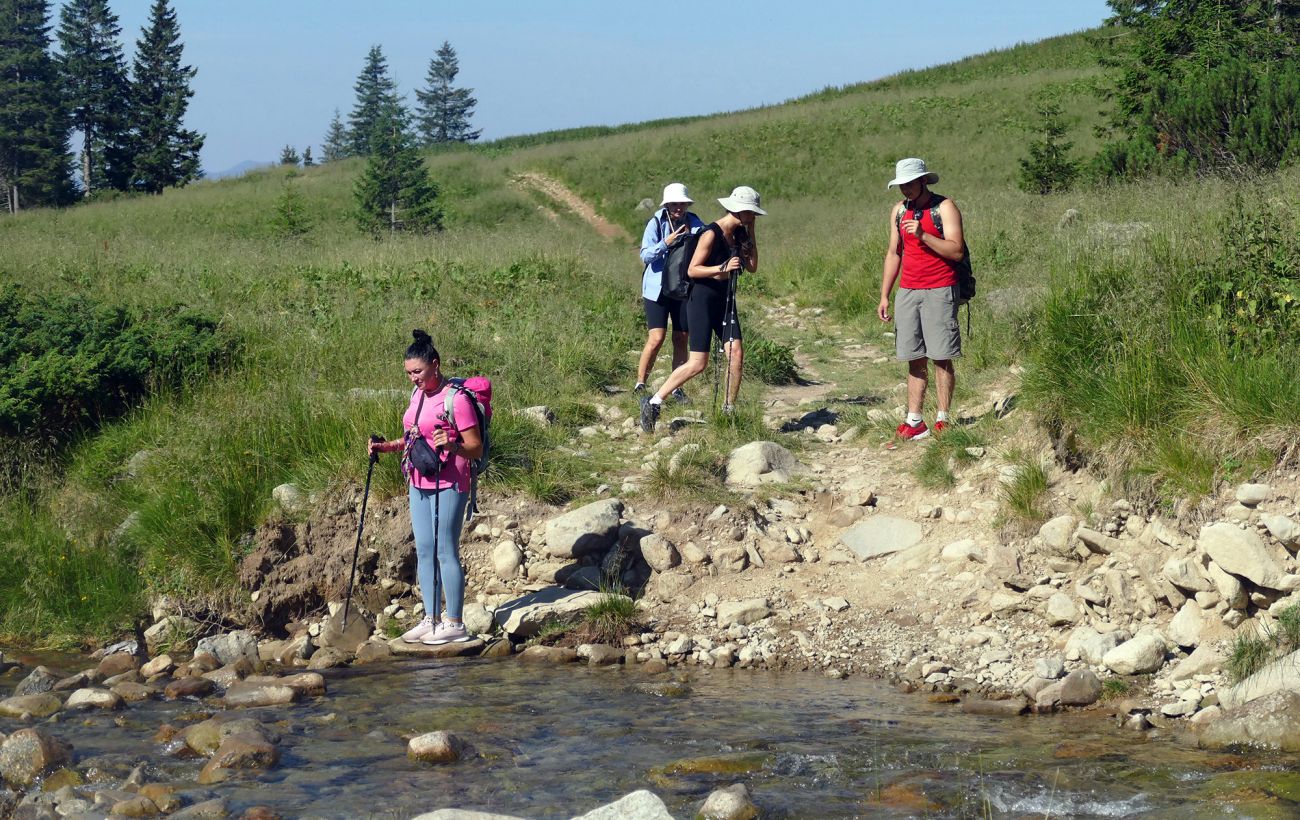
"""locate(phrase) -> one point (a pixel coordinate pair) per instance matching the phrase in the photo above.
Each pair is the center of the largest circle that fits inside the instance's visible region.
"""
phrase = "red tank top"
(923, 268)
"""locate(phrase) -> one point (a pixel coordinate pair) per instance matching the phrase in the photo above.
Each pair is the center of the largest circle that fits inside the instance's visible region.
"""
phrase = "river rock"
(1087, 645)
(93, 699)
(1080, 688)
(436, 747)
(203, 737)
(464, 649)
(1185, 574)
(308, 683)
(1206, 659)
(464, 814)
(329, 658)
(229, 647)
(372, 651)
(1057, 533)
(478, 621)
(1271, 721)
(994, 708)
(730, 803)
(243, 751)
(40, 706)
(659, 553)
(744, 612)
(39, 681)
(28, 754)
(117, 664)
(74, 681)
(230, 674)
(1243, 553)
(589, 529)
(522, 617)
(881, 535)
(1282, 528)
(335, 635)
(549, 654)
(759, 463)
(507, 558)
(604, 655)
(1282, 675)
(639, 805)
(1187, 626)
(160, 665)
(135, 692)
(261, 694)
(214, 808)
(1060, 610)
(1253, 495)
(1050, 668)
(189, 688)
(1139, 656)
(172, 633)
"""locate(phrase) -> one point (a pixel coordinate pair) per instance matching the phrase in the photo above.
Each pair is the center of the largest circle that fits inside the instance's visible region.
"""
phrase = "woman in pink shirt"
(441, 498)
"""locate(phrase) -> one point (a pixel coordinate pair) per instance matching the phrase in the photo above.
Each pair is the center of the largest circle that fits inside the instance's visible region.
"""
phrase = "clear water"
(554, 742)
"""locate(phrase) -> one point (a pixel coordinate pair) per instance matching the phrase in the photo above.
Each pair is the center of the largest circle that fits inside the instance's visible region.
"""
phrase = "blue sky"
(272, 72)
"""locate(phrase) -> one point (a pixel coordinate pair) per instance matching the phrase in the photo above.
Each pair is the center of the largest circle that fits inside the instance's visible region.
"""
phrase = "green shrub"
(771, 362)
(1048, 167)
(1248, 655)
(1022, 495)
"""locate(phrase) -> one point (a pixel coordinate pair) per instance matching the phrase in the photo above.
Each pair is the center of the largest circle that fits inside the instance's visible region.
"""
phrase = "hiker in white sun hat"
(670, 225)
(724, 248)
(926, 244)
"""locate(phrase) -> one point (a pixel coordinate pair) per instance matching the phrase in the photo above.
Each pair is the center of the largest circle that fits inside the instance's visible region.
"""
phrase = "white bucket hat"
(909, 169)
(743, 198)
(675, 192)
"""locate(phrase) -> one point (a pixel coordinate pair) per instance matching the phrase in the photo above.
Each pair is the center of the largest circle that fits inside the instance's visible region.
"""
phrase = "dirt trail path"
(556, 191)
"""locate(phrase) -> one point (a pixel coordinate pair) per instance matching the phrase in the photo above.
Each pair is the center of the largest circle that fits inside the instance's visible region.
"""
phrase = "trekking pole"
(361, 523)
(728, 342)
(437, 508)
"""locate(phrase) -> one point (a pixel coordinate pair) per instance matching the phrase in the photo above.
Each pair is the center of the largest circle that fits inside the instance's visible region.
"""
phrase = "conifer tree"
(289, 156)
(337, 143)
(376, 93)
(395, 193)
(307, 161)
(1049, 166)
(166, 153)
(444, 111)
(34, 167)
(94, 77)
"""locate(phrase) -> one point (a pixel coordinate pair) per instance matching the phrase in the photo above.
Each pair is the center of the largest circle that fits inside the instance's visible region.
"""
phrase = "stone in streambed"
(93, 699)
(214, 808)
(28, 754)
(40, 681)
(244, 751)
(229, 647)
(549, 654)
(308, 683)
(1080, 688)
(117, 664)
(246, 694)
(346, 639)
(436, 747)
(994, 708)
(464, 814)
(464, 649)
(730, 803)
(639, 805)
(137, 806)
(1271, 722)
(135, 692)
(160, 665)
(189, 688)
(40, 706)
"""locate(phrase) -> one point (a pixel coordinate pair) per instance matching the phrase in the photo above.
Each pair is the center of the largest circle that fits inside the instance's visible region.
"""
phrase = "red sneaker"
(913, 432)
(939, 427)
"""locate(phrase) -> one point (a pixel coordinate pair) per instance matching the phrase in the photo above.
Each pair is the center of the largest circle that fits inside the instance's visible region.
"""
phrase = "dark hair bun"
(422, 348)
(421, 337)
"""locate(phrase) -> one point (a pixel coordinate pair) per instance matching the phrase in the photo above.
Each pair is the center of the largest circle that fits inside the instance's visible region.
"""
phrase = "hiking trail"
(558, 192)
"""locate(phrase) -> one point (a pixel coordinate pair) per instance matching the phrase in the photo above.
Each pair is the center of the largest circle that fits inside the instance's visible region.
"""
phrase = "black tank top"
(720, 251)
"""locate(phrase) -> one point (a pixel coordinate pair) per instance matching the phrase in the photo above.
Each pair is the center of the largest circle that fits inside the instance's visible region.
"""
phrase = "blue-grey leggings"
(451, 514)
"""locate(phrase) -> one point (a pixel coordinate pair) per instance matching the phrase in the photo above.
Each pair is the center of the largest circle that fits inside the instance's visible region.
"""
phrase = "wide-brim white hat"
(909, 169)
(675, 192)
(743, 198)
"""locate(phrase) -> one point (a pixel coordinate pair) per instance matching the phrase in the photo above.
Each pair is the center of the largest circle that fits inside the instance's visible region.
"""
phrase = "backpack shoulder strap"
(454, 386)
(935, 216)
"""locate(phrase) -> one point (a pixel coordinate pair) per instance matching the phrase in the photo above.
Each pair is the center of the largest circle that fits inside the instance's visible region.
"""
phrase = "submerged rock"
(730, 803)
(42, 705)
(28, 754)
(1271, 721)
(436, 747)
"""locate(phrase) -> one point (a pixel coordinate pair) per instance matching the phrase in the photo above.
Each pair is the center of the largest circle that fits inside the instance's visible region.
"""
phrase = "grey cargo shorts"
(925, 324)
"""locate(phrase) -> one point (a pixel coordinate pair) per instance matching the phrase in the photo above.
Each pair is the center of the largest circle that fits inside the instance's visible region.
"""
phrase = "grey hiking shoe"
(639, 388)
(728, 409)
(681, 396)
(649, 414)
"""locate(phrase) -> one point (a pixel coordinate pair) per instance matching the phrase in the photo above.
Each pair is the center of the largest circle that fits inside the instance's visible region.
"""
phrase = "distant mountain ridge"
(240, 169)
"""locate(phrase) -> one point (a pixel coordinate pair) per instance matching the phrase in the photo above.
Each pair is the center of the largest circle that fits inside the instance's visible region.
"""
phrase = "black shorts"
(659, 310)
(705, 309)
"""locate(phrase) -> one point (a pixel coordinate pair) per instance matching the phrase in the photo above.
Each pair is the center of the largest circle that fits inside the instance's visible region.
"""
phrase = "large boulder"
(1139, 656)
(40, 706)
(1282, 528)
(40, 680)
(589, 529)
(28, 754)
(759, 463)
(659, 553)
(1185, 574)
(1271, 721)
(522, 617)
(345, 638)
(881, 535)
(639, 805)
(1080, 688)
(1057, 533)
(229, 647)
(1186, 627)
(742, 612)
(1244, 554)
(1089, 646)
(1282, 675)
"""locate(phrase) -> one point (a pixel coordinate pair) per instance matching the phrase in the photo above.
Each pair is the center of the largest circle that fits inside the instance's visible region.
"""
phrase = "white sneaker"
(416, 633)
(447, 632)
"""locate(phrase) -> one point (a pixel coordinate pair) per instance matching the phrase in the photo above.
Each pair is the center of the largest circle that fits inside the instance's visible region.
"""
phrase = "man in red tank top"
(925, 311)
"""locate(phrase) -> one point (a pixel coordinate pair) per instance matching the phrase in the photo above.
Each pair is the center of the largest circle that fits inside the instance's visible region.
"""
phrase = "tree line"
(1193, 87)
(130, 124)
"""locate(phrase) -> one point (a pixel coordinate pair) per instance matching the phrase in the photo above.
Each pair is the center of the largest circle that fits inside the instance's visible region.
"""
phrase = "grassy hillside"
(163, 499)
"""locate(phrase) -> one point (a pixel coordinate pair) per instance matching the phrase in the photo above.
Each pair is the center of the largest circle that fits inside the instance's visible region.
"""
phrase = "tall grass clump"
(1023, 491)
(945, 451)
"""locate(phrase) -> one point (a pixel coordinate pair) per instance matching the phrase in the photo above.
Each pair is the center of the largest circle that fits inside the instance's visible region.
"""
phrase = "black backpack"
(677, 265)
(965, 275)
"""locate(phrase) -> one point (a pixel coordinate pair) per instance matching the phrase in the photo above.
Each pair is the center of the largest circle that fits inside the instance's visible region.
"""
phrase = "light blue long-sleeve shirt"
(654, 251)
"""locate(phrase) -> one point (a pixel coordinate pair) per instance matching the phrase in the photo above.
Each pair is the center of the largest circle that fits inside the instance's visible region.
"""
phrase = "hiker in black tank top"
(724, 248)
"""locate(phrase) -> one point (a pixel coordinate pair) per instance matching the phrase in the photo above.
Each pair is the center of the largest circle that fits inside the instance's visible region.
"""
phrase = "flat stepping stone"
(446, 650)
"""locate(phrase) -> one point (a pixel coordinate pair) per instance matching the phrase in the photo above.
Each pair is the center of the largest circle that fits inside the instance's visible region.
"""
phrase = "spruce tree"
(376, 93)
(307, 161)
(94, 78)
(166, 153)
(444, 111)
(289, 156)
(337, 142)
(34, 124)
(395, 193)
(1049, 166)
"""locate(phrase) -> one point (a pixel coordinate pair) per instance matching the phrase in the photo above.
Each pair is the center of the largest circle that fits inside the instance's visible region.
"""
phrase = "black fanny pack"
(418, 452)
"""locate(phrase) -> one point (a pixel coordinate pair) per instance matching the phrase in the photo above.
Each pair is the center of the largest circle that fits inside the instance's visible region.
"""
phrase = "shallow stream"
(554, 742)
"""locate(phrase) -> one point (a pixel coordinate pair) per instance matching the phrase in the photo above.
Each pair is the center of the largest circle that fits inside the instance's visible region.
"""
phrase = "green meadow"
(1157, 331)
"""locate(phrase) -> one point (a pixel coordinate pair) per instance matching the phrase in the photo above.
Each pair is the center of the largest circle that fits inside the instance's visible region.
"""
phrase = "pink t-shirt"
(455, 469)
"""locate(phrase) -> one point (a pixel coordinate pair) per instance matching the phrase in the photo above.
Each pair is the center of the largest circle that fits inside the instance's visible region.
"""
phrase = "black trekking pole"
(361, 524)
(437, 508)
(728, 342)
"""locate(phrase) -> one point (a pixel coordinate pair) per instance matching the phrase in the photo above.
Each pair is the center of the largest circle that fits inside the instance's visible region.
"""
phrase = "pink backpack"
(478, 389)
